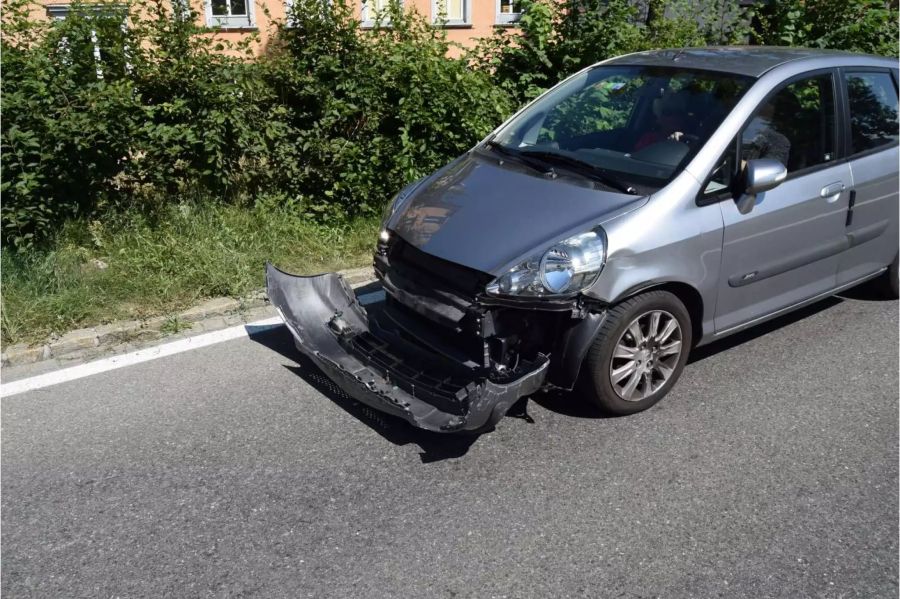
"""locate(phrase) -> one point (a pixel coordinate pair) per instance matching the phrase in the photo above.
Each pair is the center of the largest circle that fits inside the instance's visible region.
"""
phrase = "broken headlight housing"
(565, 269)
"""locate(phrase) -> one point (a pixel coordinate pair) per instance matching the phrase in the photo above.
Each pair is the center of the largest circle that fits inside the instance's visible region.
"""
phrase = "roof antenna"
(678, 54)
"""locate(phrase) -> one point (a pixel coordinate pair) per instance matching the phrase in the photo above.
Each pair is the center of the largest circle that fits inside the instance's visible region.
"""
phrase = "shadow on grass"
(435, 447)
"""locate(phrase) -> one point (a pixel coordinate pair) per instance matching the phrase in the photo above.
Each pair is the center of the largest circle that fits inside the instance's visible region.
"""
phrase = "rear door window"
(872, 99)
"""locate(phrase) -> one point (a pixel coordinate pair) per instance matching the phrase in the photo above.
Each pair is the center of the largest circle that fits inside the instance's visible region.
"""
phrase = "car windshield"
(630, 127)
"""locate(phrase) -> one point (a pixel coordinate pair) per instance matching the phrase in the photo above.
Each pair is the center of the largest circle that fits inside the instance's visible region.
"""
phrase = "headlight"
(564, 269)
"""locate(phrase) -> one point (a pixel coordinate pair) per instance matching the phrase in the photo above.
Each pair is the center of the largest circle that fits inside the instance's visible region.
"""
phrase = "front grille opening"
(455, 345)
(425, 269)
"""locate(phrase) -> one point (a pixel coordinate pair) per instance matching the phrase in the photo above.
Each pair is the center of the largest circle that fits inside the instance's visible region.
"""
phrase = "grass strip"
(131, 267)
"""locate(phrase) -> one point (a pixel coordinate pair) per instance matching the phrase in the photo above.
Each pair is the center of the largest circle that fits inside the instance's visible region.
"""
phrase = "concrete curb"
(210, 315)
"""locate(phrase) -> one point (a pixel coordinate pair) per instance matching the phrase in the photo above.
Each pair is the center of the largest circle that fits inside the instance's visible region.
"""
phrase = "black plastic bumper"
(330, 327)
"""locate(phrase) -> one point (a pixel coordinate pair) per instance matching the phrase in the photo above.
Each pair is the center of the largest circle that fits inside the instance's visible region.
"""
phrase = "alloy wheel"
(645, 356)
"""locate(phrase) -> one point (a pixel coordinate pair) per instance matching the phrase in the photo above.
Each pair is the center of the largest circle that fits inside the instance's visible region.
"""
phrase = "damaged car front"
(452, 347)
(487, 264)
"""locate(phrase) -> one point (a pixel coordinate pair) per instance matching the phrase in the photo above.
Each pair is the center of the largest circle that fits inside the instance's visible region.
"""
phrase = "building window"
(230, 14)
(181, 10)
(508, 11)
(377, 9)
(106, 41)
(289, 13)
(451, 13)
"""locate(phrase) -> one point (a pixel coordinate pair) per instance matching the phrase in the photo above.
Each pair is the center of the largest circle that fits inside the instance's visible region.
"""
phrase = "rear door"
(871, 133)
(787, 248)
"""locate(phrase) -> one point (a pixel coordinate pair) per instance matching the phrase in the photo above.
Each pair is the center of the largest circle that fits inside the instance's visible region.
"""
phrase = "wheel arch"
(686, 293)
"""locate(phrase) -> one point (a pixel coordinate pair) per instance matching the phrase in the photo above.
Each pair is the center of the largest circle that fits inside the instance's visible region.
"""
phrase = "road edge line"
(72, 373)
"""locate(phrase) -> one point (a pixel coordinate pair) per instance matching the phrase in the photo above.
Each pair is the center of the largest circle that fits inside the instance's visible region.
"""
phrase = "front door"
(786, 249)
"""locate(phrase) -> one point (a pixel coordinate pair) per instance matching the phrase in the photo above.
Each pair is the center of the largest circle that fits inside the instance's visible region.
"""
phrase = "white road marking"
(136, 357)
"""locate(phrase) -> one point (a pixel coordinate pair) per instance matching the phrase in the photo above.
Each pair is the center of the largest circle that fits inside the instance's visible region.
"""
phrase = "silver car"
(645, 206)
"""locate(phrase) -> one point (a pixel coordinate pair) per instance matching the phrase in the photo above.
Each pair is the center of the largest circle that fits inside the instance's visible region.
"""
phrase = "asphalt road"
(230, 471)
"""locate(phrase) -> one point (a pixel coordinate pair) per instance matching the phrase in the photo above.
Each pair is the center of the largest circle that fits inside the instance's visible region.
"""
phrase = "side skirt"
(761, 319)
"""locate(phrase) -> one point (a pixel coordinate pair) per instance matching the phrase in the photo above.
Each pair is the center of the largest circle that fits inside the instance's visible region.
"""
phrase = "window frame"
(451, 23)
(505, 18)
(60, 12)
(847, 150)
(181, 10)
(840, 122)
(705, 199)
(230, 22)
(366, 20)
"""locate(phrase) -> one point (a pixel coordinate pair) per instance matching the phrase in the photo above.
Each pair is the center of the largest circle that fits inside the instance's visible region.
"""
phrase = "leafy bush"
(331, 121)
(370, 112)
(858, 25)
(155, 112)
(557, 39)
(64, 127)
(99, 118)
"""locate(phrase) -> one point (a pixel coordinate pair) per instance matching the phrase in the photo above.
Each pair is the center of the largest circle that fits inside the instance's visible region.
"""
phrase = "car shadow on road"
(570, 403)
(760, 330)
(868, 292)
(435, 447)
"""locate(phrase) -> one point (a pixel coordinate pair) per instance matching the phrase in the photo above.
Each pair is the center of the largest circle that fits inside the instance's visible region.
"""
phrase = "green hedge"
(559, 38)
(330, 121)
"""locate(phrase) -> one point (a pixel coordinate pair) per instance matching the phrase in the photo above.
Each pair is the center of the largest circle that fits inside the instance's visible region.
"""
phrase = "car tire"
(629, 369)
(889, 282)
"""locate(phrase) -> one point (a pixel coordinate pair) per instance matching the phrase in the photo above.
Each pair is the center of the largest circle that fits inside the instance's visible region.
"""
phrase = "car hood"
(487, 214)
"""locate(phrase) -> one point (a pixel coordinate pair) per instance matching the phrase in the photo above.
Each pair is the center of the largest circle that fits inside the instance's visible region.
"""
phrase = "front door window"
(796, 126)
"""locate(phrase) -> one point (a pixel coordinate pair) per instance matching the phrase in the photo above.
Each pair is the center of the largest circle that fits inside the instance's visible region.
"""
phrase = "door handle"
(831, 191)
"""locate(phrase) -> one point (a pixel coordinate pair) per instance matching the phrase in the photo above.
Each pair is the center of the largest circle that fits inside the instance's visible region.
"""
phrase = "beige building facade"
(465, 21)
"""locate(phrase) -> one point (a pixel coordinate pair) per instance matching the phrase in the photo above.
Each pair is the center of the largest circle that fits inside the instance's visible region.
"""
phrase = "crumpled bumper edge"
(309, 304)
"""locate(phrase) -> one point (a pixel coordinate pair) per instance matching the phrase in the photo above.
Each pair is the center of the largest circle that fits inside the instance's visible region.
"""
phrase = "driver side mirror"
(760, 175)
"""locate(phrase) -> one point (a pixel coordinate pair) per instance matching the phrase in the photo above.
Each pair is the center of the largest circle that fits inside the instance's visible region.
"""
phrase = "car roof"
(752, 61)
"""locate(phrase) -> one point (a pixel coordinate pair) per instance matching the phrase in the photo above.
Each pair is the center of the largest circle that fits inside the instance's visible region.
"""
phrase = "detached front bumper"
(387, 371)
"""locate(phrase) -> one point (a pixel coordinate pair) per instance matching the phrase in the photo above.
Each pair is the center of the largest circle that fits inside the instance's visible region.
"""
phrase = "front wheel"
(638, 354)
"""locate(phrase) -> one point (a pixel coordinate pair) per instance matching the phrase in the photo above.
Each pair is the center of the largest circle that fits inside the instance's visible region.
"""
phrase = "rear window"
(873, 110)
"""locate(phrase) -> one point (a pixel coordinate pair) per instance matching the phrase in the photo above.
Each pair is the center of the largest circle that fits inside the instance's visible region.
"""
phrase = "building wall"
(266, 14)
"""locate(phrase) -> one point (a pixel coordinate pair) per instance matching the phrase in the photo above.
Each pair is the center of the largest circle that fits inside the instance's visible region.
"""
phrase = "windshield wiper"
(538, 165)
(583, 167)
(499, 147)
